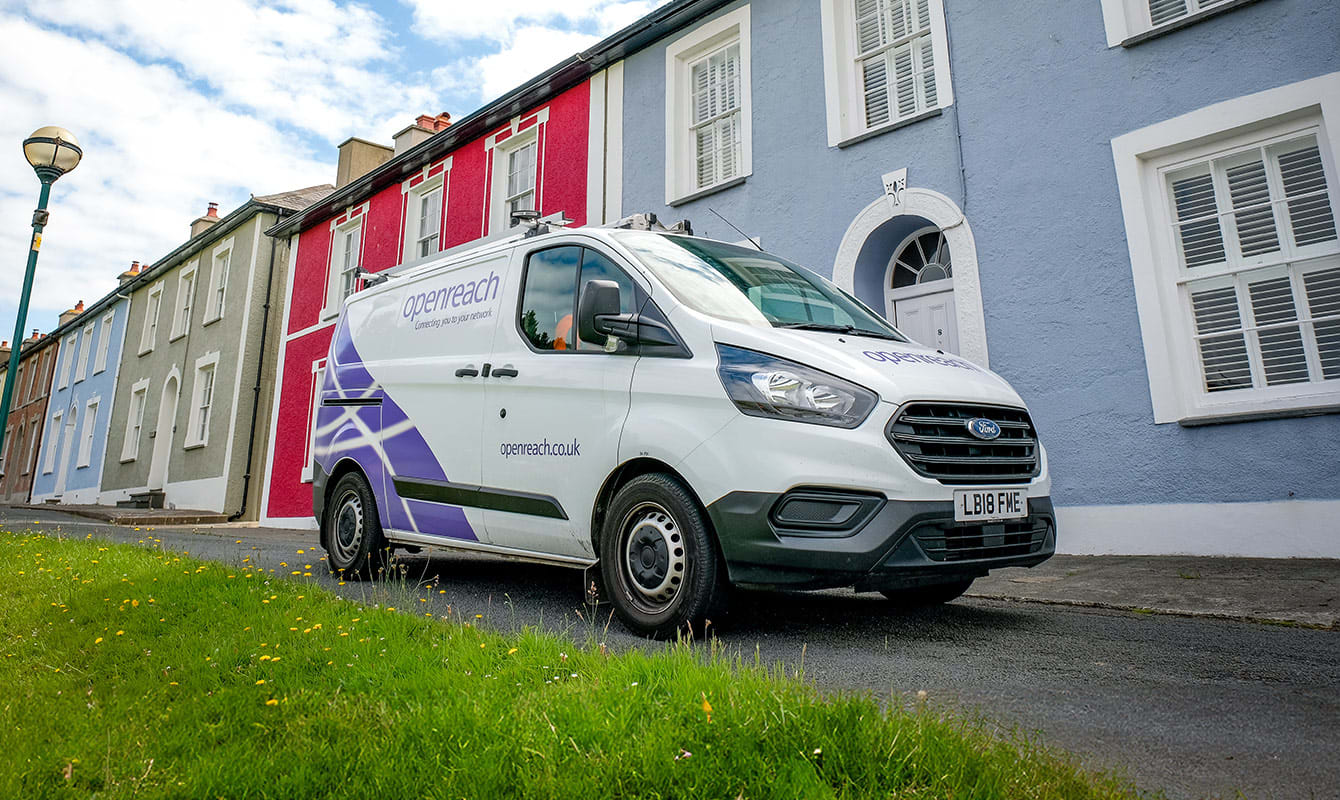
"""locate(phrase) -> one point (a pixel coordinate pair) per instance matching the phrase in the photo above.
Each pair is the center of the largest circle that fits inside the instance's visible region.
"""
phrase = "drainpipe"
(256, 389)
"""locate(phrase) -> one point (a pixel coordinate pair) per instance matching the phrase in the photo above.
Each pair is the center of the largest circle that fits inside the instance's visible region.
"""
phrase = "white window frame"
(153, 316)
(104, 342)
(731, 28)
(30, 460)
(414, 197)
(130, 444)
(499, 219)
(844, 102)
(85, 346)
(1129, 22)
(69, 352)
(1142, 159)
(220, 265)
(88, 433)
(338, 266)
(314, 405)
(207, 363)
(9, 445)
(53, 442)
(185, 305)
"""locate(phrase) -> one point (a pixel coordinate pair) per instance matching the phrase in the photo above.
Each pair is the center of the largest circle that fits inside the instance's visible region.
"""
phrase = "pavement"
(1202, 702)
(128, 516)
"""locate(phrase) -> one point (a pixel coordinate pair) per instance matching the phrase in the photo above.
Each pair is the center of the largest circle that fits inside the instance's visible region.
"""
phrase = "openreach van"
(686, 414)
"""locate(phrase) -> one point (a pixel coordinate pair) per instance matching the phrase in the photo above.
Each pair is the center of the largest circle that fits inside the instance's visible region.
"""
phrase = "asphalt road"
(1195, 708)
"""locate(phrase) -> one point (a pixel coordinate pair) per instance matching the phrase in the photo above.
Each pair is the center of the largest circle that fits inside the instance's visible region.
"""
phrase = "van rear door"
(554, 406)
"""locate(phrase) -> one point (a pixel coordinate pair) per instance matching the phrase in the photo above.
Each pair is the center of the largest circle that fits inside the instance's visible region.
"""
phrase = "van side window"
(554, 279)
(548, 300)
(596, 267)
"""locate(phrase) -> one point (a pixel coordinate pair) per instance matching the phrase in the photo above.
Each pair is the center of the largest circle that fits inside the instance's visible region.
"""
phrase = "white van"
(689, 415)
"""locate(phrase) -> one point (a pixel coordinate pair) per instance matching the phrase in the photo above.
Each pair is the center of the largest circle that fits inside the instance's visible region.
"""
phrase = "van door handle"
(504, 372)
(467, 372)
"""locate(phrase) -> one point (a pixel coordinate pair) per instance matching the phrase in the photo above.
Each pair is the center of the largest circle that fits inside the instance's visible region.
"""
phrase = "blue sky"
(176, 108)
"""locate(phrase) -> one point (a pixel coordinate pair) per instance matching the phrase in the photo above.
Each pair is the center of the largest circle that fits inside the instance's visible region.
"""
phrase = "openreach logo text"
(893, 357)
(458, 295)
(544, 447)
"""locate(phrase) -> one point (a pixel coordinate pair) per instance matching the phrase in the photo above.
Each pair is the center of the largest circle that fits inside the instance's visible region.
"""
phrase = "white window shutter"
(1197, 220)
(875, 87)
(1283, 358)
(1309, 204)
(1161, 11)
(1223, 347)
(1255, 220)
(869, 25)
(1323, 300)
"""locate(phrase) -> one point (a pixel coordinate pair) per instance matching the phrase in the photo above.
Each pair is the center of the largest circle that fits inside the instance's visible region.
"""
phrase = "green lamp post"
(52, 152)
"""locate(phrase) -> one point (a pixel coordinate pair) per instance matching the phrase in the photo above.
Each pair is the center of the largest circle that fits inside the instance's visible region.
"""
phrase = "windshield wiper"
(827, 327)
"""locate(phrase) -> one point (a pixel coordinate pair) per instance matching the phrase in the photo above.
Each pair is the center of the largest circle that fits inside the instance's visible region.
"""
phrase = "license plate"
(975, 505)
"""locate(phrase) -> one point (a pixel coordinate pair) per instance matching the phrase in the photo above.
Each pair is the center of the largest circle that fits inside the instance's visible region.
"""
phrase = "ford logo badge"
(983, 428)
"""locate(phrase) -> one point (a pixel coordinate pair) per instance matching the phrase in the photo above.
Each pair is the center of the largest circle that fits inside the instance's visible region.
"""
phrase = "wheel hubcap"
(654, 554)
(348, 527)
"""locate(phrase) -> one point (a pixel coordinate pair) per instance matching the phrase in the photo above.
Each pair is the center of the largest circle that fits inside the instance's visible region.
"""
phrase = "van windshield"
(747, 285)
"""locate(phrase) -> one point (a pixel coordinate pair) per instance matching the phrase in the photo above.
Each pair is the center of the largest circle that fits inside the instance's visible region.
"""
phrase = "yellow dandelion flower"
(260, 682)
(511, 651)
(97, 640)
(272, 702)
(120, 633)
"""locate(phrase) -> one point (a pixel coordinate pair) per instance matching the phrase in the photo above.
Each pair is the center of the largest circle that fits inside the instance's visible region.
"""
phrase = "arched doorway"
(935, 310)
(919, 290)
(163, 433)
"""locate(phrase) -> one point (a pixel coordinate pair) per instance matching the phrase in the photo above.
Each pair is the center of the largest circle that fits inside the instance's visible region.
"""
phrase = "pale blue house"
(1128, 208)
(79, 409)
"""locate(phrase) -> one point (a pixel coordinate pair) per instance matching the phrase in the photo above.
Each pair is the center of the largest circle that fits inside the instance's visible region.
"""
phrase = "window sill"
(142, 352)
(99, 371)
(713, 189)
(194, 445)
(210, 321)
(1224, 417)
(174, 337)
(891, 126)
(305, 479)
(81, 466)
(329, 314)
(1177, 25)
(130, 460)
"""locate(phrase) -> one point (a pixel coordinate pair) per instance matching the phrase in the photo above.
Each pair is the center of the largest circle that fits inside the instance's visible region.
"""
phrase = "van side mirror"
(598, 299)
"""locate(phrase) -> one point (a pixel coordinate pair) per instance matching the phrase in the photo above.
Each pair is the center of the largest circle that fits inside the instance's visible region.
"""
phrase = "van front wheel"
(658, 561)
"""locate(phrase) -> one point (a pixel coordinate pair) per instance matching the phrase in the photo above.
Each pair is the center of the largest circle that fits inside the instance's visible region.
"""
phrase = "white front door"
(163, 434)
(65, 440)
(925, 312)
(553, 406)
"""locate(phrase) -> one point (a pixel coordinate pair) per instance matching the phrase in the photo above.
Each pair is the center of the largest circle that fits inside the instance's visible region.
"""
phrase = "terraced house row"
(1127, 207)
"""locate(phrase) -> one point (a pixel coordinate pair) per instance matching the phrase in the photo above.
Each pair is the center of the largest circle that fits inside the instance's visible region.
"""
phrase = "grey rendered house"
(192, 395)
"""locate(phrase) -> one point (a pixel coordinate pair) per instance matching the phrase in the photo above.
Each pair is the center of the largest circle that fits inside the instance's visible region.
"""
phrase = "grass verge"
(130, 672)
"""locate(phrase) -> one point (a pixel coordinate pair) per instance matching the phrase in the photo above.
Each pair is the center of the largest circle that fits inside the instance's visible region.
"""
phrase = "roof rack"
(649, 222)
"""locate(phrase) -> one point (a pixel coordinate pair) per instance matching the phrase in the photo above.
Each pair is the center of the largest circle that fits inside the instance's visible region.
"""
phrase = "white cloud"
(501, 21)
(156, 150)
(530, 51)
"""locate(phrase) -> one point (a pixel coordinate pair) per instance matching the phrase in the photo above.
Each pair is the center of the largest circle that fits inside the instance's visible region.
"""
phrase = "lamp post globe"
(52, 151)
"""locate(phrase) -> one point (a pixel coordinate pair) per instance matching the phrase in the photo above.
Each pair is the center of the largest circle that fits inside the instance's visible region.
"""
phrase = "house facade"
(79, 408)
(548, 147)
(187, 426)
(1127, 208)
(28, 403)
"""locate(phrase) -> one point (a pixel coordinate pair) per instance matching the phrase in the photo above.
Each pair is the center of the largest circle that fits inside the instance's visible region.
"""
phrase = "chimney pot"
(79, 306)
(4, 345)
(213, 210)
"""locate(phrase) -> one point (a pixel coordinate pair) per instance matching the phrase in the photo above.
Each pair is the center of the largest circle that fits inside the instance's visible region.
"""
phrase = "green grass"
(132, 672)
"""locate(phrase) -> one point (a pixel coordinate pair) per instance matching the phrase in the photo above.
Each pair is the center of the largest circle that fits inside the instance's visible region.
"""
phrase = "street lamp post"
(52, 152)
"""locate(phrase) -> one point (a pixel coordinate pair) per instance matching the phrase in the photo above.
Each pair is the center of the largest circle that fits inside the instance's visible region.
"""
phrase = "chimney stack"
(422, 129)
(4, 353)
(68, 315)
(358, 157)
(201, 224)
(130, 274)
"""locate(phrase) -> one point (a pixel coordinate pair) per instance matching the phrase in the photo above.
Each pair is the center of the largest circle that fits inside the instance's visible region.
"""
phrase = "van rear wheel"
(933, 595)
(658, 561)
(351, 531)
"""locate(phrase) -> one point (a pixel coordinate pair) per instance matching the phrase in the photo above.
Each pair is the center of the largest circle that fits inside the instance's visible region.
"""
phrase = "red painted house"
(552, 145)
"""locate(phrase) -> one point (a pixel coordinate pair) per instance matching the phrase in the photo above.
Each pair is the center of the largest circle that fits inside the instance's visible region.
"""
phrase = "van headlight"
(761, 385)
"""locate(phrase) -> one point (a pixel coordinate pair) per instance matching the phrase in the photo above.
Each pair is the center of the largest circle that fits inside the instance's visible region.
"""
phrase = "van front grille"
(948, 541)
(934, 440)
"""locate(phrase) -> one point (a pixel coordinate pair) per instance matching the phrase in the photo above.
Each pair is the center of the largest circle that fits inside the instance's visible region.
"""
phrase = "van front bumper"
(785, 541)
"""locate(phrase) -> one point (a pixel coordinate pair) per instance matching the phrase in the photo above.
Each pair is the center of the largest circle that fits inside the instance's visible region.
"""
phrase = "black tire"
(932, 595)
(658, 561)
(351, 531)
